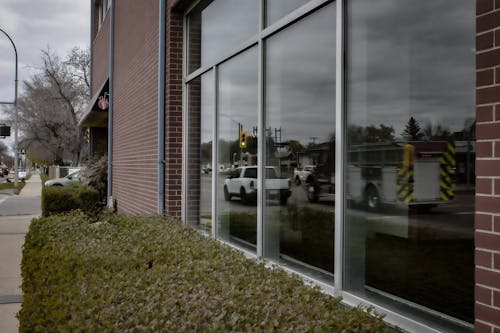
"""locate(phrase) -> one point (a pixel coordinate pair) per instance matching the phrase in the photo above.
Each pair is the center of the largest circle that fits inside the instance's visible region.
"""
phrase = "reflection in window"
(276, 9)
(217, 27)
(237, 185)
(410, 171)
(200, 169)
(300, 122)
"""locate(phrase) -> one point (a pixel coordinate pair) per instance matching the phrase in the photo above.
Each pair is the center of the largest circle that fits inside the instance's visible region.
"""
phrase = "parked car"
(4, 170)
(242, 182)
(301, 175)
(21, 175)
(75, 177)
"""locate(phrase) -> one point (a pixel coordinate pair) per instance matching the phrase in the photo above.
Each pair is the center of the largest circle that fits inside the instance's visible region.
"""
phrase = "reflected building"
(352, 142)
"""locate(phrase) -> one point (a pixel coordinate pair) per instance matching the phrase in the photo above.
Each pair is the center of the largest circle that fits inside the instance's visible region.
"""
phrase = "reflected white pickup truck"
(300, 175)
(242, 182)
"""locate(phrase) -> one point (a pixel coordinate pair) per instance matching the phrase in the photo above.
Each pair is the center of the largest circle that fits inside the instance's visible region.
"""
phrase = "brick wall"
(135, 186)
(100, 55)
(173, 110)
(487, 292)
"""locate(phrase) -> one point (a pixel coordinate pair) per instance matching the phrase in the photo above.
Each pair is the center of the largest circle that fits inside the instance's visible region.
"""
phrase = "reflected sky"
(238, 94)
(276, 9)
(207, 106)
(410, 58)
(225, 25)
(404, 58)
(300, 78)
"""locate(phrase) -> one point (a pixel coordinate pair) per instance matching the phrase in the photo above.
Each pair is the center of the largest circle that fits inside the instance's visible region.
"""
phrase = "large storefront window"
(266, 118)
(300, 140)
(410, 154)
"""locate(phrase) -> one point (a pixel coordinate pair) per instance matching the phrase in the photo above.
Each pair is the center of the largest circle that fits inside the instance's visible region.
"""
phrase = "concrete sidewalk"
(16, 213)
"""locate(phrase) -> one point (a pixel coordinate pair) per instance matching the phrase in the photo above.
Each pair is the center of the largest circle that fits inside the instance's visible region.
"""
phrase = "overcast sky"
(34, 25)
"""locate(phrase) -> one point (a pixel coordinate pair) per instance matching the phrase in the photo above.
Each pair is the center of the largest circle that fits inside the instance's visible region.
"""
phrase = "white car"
(242, 182)
(21, 175)
(301, 175)
(75, 177)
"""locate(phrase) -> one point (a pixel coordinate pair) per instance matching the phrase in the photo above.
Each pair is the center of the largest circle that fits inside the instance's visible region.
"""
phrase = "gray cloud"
(408, 58)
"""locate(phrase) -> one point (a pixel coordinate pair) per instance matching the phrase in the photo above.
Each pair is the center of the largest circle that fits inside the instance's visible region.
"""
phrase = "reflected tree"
(436, 133)
(413, 131)
(370, 134)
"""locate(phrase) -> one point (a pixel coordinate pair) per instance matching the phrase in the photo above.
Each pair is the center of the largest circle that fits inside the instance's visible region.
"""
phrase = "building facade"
(377, 127)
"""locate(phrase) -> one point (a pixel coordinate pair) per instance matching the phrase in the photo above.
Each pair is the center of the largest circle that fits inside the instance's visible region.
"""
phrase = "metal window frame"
(259, 40)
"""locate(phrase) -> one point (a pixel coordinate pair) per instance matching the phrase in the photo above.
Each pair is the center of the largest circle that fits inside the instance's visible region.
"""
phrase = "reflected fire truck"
(417, 174)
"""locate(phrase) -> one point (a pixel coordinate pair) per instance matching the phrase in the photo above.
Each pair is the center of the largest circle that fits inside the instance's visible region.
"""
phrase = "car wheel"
(243, 196)
(372, 198)
(227, 195)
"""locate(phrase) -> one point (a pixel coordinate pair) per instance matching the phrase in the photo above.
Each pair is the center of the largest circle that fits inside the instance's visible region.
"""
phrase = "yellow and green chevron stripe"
(405, 179)
(447, 165)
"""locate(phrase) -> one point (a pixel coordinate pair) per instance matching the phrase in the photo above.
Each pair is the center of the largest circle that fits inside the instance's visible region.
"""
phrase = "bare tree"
(52, 104)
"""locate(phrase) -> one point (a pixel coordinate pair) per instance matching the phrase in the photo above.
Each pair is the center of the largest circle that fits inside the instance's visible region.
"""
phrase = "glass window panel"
(300, 123)
(217, 27)
(200, 114)
(237, 181)
(410, 169)
(276, 9)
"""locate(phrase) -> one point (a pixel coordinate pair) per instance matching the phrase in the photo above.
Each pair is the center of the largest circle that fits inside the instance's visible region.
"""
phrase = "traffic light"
(243, 139)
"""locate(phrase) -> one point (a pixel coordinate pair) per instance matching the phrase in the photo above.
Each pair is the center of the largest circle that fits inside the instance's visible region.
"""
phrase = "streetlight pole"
(16, 153)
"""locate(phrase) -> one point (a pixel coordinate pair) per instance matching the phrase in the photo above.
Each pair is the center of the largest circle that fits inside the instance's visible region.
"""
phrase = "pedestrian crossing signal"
(243, 139)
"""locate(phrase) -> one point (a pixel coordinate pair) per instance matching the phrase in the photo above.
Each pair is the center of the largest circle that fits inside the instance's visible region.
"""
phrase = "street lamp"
(16, 156)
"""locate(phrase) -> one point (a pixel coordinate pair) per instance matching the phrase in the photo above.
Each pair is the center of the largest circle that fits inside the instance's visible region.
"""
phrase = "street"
(454, 219)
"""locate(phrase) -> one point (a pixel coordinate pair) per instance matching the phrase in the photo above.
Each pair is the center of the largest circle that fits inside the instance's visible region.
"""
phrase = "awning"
(95, 117)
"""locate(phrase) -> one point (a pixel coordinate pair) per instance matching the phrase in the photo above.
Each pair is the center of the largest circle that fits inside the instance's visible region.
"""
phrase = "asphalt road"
(451, 220)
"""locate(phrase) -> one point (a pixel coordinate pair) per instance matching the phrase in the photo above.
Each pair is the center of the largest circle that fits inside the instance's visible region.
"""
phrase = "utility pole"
(16, 152)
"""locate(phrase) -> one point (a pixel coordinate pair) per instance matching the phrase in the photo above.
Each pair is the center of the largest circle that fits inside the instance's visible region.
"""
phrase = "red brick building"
(371, 111)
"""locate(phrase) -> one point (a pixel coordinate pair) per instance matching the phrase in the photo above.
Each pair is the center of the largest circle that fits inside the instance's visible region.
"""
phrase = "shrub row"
(58, 199)
(151, 274)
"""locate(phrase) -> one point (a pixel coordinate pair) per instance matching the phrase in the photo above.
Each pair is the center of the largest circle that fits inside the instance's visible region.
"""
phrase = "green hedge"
(150, 274)
(58, 199)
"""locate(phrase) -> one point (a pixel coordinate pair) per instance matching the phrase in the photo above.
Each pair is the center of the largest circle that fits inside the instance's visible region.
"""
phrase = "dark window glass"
(410, 172)
(237, 112)
(300, 123)
(217, 27)
(276, 9)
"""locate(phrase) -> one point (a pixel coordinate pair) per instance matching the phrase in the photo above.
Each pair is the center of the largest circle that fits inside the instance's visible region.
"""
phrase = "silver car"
(74, 177)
